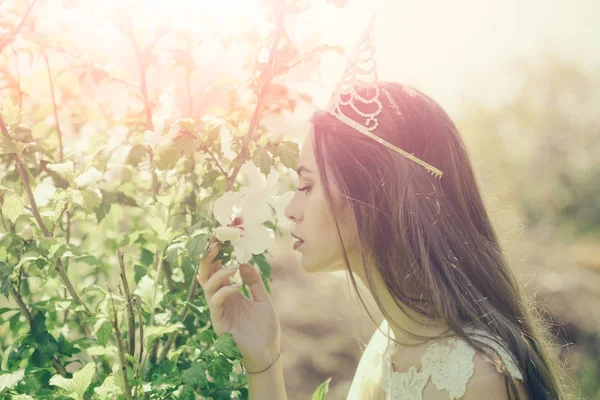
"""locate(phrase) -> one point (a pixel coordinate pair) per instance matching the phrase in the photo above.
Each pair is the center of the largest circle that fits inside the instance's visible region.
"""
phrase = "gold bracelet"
(265, 368)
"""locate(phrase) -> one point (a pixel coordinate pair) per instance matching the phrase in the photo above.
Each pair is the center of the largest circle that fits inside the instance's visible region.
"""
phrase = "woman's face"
(308, 209)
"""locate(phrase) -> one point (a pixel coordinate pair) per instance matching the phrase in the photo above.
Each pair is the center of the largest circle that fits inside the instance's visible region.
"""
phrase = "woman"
(388, 194)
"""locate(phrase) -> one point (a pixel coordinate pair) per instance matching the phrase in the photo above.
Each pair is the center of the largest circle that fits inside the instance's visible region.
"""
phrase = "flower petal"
(230, 233)
(226, 206)
(256, 239)
(255, 209)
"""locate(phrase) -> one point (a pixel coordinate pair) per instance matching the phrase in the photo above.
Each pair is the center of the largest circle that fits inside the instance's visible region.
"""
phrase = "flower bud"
(27, 233)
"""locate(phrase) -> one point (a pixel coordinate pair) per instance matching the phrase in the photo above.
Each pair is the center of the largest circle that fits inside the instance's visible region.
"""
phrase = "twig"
(239, 159)
(186, 309)
(10, 37)
(126, 387)
(18, 71)
(217, 163)
(139, 311)
(60, 143)
(158, 262)
(154, 176)
(169, 275)
(130, 314)
(22, 306)
(25, 178)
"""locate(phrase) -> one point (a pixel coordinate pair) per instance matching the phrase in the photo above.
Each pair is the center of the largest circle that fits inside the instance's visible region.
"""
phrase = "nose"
(292, 211)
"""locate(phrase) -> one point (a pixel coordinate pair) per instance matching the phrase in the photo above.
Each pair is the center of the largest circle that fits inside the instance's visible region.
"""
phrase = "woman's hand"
(253, 323)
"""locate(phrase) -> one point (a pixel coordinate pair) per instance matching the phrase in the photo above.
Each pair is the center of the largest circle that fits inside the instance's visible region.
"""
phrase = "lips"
(298, 243)
(296, 237)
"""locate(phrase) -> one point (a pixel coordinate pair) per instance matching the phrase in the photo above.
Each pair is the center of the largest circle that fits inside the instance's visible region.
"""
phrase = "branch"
(60, 143)
(126, 387)
(10, 37)
(239, 160)
(186, 308)
(25, 178)
(130, 314)
(24, 310)
(217, 163)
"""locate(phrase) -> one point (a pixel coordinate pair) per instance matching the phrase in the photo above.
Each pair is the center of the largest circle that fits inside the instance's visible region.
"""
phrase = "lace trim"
(449, 367)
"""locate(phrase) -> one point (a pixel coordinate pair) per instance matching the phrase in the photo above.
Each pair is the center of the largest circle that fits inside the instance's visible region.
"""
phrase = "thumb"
(251, 277)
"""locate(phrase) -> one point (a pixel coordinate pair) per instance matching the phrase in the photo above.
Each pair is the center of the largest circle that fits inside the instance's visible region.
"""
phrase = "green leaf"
(187, 393)
(92, 198)
(10, 113)
(227, 346)
(321, 391)
(145, 289)
(208, 179)
(21, 397)
(64, 170)
(136, 155)
(154, 332)
(166, 156)
(77, 386)
(13, 207)
(196, 246)
(195, 374)
(9, 146)
(262, 159)
(265, 269)
(30, 256)
(8, 351)
(220, 369)
(9, 381)
(289, 154)
(109, 389)
(6, 279)
(104, 333)
(83, 378)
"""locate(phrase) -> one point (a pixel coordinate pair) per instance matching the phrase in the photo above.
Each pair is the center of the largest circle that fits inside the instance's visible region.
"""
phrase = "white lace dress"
(448, 366)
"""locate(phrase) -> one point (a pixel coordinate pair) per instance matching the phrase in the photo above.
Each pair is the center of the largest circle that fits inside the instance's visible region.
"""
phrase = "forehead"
(307, 155)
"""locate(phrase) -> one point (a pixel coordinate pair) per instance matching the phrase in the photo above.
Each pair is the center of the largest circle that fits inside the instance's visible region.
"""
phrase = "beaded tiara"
(364, 65)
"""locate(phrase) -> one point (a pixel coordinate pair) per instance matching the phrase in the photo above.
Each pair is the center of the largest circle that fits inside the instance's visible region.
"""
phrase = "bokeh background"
(521, 79)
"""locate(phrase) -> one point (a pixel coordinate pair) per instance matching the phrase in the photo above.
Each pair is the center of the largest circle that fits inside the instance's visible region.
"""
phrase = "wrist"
(263, 361)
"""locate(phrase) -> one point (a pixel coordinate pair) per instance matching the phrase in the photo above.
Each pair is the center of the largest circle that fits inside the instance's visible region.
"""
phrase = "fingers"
(217, 281)
(253, 280)
(215, 304)
(206, 264)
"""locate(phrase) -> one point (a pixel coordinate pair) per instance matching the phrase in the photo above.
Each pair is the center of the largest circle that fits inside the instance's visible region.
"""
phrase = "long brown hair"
(431, 239)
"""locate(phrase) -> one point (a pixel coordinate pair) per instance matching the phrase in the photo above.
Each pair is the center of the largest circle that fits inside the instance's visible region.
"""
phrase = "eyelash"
(304, 189)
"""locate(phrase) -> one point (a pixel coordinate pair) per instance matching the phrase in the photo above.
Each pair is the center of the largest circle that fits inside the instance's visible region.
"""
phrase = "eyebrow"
(301, 169)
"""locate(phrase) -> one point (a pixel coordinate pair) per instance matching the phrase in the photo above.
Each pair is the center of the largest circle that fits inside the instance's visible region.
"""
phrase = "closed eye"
(304, 189)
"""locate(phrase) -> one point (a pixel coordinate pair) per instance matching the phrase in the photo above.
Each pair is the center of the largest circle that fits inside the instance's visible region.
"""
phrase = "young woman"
(388, 194)
(456, 323)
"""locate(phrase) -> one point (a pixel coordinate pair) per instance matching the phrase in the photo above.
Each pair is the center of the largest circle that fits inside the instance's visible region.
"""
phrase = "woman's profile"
(387, 193)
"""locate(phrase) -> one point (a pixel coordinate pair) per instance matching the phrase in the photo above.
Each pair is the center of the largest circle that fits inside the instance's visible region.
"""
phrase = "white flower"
(44, 192)
(89, 178)
(276, 189)
(145, 290)
(241, 217)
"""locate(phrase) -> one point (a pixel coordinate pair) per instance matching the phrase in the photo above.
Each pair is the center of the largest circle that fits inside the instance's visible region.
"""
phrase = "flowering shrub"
(115, 175)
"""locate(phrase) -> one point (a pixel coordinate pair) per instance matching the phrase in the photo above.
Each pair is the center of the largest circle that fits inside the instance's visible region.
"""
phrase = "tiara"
(345, 94)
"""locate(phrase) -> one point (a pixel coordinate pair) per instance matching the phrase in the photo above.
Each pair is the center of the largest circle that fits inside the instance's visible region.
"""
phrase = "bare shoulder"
(487, 382)
(484, 381)
(366, 383)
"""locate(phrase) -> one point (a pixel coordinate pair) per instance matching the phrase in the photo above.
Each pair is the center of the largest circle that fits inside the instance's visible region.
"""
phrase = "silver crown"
(361, 72)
